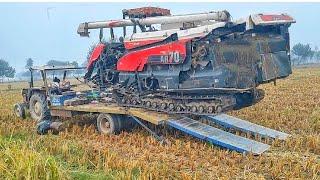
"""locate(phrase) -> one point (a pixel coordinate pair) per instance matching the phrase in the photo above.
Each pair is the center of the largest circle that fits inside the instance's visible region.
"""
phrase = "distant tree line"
(304, 54)
(63, 63)
(6, 71)
(30, 63)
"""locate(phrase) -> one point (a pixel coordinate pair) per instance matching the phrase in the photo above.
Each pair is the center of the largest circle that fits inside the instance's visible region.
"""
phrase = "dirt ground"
(292, 106)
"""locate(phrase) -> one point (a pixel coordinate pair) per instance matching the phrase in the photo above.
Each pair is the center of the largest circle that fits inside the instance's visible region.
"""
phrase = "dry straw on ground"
(293, 106)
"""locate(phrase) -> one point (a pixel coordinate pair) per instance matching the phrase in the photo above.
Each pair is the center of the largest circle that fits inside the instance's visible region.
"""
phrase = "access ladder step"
(218, 136)
(246, 126)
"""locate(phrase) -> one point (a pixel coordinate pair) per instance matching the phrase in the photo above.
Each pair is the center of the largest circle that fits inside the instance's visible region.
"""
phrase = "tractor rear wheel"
(38, 107)
(108, 124)
(19, 110)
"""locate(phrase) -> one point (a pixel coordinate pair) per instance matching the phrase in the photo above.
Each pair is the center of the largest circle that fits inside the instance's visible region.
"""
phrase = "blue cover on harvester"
(218, 136)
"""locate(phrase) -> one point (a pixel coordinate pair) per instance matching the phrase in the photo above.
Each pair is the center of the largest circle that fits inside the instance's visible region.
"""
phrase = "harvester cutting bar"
(246, 126)
(217, 136)
(217, 16)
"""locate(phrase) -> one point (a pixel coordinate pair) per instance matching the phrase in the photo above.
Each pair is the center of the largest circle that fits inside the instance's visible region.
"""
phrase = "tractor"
(36, 99)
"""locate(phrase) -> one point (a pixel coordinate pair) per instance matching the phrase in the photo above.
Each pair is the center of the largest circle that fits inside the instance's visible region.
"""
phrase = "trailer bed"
(150, 116)
(185, 124)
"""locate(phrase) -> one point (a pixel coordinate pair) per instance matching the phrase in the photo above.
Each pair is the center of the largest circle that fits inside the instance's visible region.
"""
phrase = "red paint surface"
(135, 61)
(276, 17)
(115, 23)
(95, 54)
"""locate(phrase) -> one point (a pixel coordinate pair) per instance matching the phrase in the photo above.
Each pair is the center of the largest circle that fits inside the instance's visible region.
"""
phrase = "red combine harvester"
(177, 69)
(200, 63)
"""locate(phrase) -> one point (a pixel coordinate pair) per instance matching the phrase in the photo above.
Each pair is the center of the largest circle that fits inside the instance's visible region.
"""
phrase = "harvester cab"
(49, 91)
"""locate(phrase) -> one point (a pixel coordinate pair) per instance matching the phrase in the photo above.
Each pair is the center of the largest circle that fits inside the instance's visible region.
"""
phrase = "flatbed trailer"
(69, 111)
(115, 117)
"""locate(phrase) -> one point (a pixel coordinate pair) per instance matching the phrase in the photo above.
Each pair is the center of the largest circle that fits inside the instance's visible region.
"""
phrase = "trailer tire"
(121, 122)
(20, 110)
(125, 123)
(38, 107)
(130, 123)
(108, 124)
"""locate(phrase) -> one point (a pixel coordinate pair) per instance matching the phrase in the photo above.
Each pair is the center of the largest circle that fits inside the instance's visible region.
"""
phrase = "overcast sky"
(45, 31)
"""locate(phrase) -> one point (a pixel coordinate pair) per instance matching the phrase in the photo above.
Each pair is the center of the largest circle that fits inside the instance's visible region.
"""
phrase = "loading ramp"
(246, 126)
(226, 139)
(217, 136)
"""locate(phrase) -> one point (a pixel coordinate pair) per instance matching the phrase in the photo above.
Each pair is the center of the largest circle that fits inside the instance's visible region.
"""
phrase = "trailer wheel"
(38, 107)
(121, 120)
(131, 123)
(19, 110)
(107, 124)
(125, 123)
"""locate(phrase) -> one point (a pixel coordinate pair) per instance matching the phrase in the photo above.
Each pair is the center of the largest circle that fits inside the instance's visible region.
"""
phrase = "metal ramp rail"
(246, 126)
(226, 139)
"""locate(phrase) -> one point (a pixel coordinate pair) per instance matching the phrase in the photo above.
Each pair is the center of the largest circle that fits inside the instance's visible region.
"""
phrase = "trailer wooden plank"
(217, 136)
(246, 126)
(150, 116)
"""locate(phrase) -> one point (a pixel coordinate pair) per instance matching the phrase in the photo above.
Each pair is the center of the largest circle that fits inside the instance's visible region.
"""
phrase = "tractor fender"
(32, 91)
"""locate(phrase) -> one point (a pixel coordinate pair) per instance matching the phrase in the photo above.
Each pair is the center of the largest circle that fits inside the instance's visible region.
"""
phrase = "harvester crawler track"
(196, 105)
